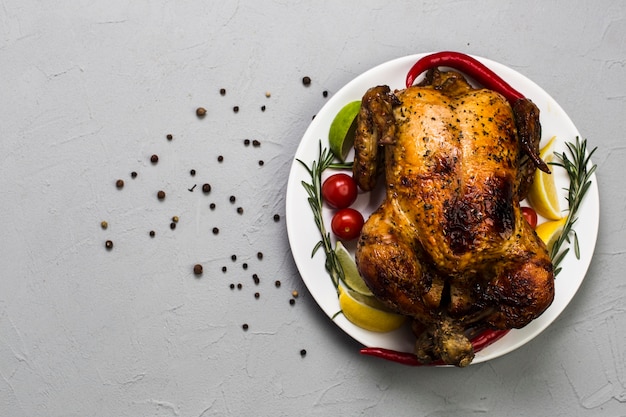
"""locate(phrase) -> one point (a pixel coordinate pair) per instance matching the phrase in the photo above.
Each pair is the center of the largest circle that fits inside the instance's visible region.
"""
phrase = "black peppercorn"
(206, 188)
(172, 225)
(119, 184)
(292, 301)
(220, 158)
(197, 269)
(232, 198)
(212, 206)
(306, 81)
(154, 159)
(222, 91)
(244, 265)
(325, 93)
(259, 255)
(152, 233)
(257, 295)
(233, 257)
(256, 279)
(200, 112)
(261, 163)
(245, 326)
(161, 195)
(256, 143)
(216, 230)
(236, 109)
(276, 217)
(232, 286)
(263, 107)
(169, 137)
(240, 210)
(192, 172)
(224, 269)
(133, 174)
(303, 352)
(108, 244)
(277, 283)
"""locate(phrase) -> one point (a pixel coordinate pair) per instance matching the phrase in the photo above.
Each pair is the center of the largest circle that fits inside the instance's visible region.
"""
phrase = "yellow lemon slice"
(352, 278)
(542, 195)
(367, 317)
(550, 231)
(342, 128)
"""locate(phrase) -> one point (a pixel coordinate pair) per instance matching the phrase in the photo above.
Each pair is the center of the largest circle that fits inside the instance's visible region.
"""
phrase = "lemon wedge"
(542, 195)
(367, 317)
(550, 231)
(352, 278)
(342, 128)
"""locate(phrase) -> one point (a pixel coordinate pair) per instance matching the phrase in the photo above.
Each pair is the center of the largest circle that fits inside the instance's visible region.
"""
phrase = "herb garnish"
(579, 171)
(314, 190)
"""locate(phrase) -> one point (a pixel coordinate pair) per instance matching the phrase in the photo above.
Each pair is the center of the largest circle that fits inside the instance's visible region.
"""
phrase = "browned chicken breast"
(449, 245)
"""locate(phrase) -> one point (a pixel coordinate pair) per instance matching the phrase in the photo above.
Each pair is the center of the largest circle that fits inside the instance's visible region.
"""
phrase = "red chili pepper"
(470, 66)
(481, 341)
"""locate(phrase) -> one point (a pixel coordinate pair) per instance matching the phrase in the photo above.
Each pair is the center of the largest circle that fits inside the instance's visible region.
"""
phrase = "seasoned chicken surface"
(449, 245)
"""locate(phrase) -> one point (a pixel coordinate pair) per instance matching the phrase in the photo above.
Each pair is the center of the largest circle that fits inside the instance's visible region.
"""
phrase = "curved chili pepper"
(470, 66)
(481, 341)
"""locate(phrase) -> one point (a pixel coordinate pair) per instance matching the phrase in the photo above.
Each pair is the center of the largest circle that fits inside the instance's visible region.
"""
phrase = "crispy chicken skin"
(449, 246)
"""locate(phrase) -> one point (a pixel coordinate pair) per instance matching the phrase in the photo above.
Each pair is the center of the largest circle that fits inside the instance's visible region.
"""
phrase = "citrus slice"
(550, 231)
(351, 278)
(366, 317)
(342, 128)
(542, 195)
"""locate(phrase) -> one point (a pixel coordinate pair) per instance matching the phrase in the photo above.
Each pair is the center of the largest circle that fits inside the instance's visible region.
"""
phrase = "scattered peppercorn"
(325, 93)
(268, 94)
(259, 255)
(261, 163)
(239, 286)
(306, 81)
(277, 283)
(245, 326)
(200, 112)
(257, 295)
(236, 109)
(175, 219)
(154, 159)
(161, 195)
(172, 225)
(206, 188)
(119, 184)
(197, 269)
(192, 172)
(244, 265)
(292, 301)
(263, 107)
(108, 244)
(232, 286)
(104, 224)
(222, 91)
(233, 257)
(212, 206)
(256, 279)
(220, 158)
(276, 217)
(232, 199)
(152, 233)
(133, 175)
(294, 293)
(303, 352)
(240, 210)
(216, 230)
(224, 269)
(246, 142)
(169, 136)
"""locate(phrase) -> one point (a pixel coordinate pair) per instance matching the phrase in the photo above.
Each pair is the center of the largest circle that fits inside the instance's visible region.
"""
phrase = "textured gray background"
(89, 91)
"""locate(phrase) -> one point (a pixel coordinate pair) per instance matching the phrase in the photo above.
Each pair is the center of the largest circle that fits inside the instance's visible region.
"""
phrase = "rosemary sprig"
(324, 161)
(579, 171)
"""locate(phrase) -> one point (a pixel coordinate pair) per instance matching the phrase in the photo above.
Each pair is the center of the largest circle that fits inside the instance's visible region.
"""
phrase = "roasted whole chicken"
(449, 246)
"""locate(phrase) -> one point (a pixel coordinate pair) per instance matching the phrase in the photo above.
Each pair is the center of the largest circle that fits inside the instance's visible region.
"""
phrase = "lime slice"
(341, 133)
(352, 279)
(367, 317)
(543, 196)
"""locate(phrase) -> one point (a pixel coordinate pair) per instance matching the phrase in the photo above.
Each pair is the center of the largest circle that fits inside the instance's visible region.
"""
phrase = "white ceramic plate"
(303, 233)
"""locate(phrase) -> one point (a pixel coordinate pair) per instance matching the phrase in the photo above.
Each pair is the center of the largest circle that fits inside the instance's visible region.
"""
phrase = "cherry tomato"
(347, 224)
(339, 191)
(530, 215)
